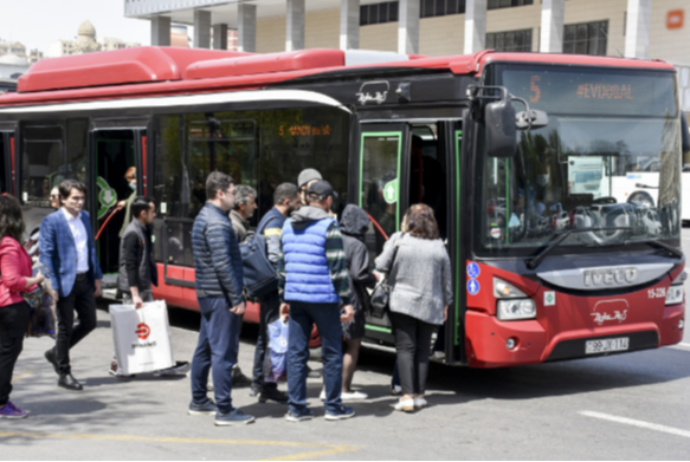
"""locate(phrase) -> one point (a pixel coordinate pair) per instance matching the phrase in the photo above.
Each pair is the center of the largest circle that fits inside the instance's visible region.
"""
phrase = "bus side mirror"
(499, 117)
(684, 133)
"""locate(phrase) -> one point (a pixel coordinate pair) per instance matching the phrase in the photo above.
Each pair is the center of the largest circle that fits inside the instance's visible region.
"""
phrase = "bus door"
(380, 172)
(117, 148)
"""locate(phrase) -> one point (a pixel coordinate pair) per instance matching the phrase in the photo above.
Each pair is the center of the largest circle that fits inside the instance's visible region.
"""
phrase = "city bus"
(547, 263)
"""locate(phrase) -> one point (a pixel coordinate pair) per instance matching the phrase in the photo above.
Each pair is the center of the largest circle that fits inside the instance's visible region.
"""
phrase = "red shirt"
(15, 267)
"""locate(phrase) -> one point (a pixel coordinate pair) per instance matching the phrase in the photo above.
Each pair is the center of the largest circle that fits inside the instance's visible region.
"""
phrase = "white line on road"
(637, 423)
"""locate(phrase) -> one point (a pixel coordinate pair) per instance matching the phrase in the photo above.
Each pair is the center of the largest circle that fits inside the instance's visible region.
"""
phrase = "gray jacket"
(420, 278)
(239, 224)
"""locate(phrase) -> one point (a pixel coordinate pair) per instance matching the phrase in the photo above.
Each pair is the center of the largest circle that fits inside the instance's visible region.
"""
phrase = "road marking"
(684, 345)
(17, 377)
(325, 448)
(637, 423)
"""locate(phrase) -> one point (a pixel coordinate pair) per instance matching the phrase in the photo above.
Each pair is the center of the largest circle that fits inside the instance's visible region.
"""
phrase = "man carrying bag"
(138, 272)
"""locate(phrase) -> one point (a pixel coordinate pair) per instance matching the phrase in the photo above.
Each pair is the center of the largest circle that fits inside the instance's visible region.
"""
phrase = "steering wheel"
(585, 217)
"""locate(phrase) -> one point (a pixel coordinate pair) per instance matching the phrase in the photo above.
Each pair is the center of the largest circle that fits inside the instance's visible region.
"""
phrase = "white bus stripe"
(637, 423)
(183, 100)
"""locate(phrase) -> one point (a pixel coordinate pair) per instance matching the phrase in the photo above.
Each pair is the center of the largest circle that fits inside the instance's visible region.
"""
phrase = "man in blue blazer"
(67, 249)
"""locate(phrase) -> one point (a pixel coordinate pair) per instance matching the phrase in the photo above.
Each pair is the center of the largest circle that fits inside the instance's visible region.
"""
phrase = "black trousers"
(268, 313)
(13, 321)
(81, 300)
(412, 344)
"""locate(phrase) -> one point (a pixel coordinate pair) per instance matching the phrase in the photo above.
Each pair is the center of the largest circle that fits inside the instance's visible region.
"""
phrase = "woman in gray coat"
(420, 284)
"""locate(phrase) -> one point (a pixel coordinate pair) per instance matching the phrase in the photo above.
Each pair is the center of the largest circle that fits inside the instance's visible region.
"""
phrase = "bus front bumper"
(492, 343)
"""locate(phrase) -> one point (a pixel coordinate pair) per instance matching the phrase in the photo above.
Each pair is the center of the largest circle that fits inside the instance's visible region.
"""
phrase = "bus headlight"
(674, 296)
(512, 310)
(504, 290)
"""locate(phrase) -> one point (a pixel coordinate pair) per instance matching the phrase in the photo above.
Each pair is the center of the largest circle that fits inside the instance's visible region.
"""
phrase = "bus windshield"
(576, 172)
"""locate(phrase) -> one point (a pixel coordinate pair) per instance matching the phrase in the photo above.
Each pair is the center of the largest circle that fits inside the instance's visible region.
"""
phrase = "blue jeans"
(326, 316)
(219, 339)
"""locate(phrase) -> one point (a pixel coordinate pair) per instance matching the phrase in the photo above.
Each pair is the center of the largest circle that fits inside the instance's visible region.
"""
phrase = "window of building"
(431, 8)
(495, 4)
(586, 38)
(378, 13)
(514, 40)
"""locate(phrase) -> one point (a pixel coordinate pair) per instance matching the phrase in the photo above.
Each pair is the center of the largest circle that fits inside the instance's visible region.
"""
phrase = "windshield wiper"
(534, 262)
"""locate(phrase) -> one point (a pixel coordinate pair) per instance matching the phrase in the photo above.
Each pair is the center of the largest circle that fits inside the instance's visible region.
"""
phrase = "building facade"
(645, 29)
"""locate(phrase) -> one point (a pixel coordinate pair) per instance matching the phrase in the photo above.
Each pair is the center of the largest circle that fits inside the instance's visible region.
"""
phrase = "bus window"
(224, 142)
(3, 165)
(46, 162)
(42, 164)
(295, 139)
(379, 185)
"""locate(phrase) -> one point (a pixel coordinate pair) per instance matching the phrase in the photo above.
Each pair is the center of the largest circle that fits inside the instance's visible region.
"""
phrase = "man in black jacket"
(138, 273)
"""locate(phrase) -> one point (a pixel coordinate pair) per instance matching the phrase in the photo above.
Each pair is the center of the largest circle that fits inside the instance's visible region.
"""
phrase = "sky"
(38, 23)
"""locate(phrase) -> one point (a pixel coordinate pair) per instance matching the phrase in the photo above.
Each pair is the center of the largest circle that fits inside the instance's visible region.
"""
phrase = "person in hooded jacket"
(353, 225)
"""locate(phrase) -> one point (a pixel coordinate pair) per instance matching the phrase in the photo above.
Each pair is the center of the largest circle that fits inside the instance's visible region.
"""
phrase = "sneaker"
(234, 417)
(239, 380)
(206, 408)
(177, 369)
(353, 395)
(10, 411)
(439, 354)
(255, 390)
(341, 414)
(405, 404)
(299, 416)
(396, 390)
(419, 402)
(115, 371)
(273, 394)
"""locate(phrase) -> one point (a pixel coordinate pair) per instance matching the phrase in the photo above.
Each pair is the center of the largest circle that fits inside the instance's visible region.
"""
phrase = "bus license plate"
(606, 345)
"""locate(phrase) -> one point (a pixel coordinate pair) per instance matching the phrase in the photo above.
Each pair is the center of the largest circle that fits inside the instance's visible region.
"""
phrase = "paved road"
(633, 406)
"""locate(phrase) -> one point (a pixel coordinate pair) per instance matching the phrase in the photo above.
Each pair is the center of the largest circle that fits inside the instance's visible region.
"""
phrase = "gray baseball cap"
(306, 175)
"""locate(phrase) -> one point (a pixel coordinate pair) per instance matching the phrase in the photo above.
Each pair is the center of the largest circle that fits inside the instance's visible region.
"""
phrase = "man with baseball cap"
(305, 178)
(313, 282)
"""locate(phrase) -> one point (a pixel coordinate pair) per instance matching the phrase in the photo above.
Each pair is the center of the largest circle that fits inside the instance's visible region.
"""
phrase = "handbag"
(380, 297)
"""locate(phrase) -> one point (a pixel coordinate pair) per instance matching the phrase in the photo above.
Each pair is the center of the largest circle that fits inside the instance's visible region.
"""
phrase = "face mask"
(133, 186)
(542, 180)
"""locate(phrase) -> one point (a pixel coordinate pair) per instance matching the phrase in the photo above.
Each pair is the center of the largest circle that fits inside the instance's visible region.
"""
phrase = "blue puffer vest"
(308, 278)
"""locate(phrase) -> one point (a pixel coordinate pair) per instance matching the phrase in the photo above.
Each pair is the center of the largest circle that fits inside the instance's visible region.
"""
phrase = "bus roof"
(161, 71)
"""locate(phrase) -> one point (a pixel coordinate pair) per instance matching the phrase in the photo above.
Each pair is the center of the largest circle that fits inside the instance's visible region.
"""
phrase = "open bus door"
(117, 147)
(390, 155)
(380, 173)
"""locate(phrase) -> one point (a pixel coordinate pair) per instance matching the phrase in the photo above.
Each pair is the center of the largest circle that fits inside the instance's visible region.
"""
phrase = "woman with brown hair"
(420, 284)
(15, 277)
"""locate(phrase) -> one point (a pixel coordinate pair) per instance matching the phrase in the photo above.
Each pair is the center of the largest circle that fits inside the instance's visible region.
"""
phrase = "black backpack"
(260, 277)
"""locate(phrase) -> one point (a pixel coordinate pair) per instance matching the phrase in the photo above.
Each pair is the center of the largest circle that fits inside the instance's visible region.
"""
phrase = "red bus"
(548, 264)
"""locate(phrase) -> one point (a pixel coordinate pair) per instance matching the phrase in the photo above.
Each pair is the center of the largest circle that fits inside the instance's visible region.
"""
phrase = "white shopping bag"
(141, 337)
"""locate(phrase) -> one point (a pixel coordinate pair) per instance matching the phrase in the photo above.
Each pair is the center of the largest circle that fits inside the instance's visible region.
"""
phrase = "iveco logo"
(610, 276)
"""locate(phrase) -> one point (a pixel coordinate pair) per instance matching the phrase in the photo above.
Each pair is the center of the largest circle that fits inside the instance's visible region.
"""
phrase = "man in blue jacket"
(219, 285)
(67, 250)
(313, 282)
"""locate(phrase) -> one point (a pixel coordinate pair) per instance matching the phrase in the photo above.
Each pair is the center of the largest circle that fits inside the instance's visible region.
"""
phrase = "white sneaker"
(322, 396)
(419, 403)
(353, 396)
(405, 404)
(439, 354)
(396, 390)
